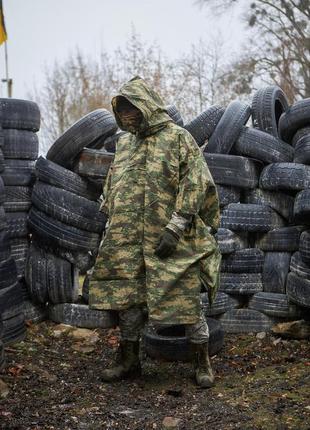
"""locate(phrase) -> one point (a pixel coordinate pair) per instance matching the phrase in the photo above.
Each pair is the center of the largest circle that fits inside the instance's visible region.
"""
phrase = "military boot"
(203, 371)
(128, 365)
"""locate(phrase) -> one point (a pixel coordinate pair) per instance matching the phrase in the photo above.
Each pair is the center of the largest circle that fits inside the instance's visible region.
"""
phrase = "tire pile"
(20, 120)
(66, 224)
(263, 180)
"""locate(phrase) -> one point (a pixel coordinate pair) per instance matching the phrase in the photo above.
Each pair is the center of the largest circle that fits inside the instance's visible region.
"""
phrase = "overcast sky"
(42, 31)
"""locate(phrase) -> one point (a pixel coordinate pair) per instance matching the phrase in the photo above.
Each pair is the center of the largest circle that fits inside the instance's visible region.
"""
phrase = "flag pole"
(9, 81)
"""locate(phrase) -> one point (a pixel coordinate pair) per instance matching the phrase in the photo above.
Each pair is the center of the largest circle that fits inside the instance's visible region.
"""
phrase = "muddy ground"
(54, 383)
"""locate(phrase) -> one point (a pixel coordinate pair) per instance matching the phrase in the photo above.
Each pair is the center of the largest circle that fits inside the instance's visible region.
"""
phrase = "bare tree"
(279, 42)
(79, 85)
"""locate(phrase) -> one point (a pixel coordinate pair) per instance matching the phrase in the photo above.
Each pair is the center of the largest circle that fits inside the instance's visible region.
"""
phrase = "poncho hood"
(148, 101)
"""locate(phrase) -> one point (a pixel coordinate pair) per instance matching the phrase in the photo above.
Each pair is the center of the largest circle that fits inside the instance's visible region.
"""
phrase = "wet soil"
(260, 384)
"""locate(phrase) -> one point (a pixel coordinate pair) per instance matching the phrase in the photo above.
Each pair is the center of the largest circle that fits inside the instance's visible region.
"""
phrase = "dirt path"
(261, 384)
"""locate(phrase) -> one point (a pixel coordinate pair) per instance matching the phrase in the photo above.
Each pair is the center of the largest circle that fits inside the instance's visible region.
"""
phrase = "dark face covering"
(129, 115)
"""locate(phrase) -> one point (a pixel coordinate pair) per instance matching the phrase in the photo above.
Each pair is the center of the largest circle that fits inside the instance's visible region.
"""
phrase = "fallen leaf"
(15, 371)
(113, 341)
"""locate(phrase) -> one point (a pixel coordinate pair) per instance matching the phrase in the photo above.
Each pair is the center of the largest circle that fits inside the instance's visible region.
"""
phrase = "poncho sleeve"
(197, 193)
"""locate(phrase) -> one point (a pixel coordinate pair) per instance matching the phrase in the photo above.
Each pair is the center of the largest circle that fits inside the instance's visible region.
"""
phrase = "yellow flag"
(3, 34)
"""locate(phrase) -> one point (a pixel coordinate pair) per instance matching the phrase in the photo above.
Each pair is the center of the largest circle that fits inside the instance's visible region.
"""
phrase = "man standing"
(162, 204)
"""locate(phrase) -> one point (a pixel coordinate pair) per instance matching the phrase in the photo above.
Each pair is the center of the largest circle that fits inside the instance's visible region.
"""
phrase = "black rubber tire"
(24, 288)
(62, 280)
(285, 239)
(12, 311)
(241, 283)
(36, 275)
(249, 217)
(228, 195)
(49, 278)
(2, 163)
(20, 114)
(18, 172)
(93, 163)
(298, 290)
(68, 208)
(229, 241)
(299, 267)
(248, 260)
(61, 234)
(10, 299)
(14, 330)
(280, 202)
(81, 315)
(302, 150)
(234, 171)
(268, 104)
(275, 271)
(274, 305)
(285, 176)
(8, 273)
(302, 208)
(297, 116)
(20, 144)
(19, 253)
(84, 133)
(17, 224)
(262, 146)
(175, 115)
(2, 192)
(203, 126)
(3, 223)
(222, 303)
(59, 177)
(228, 128)
(245, 321)
(81, 259)
(170, 343)
(300, 134)
(5, 249)
(33, 312)
(17, 198)
(110, 142)
(304, 246)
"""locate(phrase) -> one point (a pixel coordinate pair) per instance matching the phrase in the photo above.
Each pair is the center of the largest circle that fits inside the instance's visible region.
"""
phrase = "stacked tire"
(257, 179)
(20, 120)
(294, 127)
(12, 327)
(66, 222)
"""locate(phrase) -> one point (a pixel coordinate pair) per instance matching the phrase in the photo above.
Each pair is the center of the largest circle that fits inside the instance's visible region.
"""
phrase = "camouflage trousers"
(133, 319)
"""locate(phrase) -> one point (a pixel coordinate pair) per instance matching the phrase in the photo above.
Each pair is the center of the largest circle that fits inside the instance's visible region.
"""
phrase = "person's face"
(129, 115)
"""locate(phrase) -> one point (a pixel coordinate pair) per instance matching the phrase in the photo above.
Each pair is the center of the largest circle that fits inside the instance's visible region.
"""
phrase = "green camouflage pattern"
(156, 171)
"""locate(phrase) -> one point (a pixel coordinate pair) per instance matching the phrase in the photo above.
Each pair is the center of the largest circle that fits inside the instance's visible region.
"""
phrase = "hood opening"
(153, 110)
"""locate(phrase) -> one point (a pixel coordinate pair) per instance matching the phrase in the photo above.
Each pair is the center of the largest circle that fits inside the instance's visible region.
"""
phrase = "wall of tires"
(262, 174)
(51, 227)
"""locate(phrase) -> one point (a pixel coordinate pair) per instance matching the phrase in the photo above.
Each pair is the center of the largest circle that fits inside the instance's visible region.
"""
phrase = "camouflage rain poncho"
(156, 171)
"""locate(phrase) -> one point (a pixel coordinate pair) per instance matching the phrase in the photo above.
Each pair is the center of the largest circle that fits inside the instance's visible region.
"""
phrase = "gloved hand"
(167, 244)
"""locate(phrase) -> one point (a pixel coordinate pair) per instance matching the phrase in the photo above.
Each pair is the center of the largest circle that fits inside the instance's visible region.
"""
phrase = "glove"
(167, 244)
